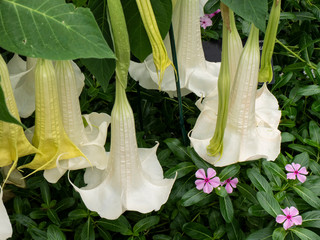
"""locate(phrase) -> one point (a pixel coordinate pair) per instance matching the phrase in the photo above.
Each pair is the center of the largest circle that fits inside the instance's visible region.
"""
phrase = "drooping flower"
(90, 139)
(133, 178)
(196, 74)
(49, 135)
(230, 184)
(207, 182)
(13, 142)
(205, 21)
(296, 171)
(251, 130)
(160, 55)
(290, 218)
(5, 226)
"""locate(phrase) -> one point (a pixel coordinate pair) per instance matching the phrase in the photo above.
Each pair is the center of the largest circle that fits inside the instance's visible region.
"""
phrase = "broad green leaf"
(313, 183)
(181, 170)
(311, 219)
(5, 114)
(315, 167)
(38, 214)
(314, 131)
(120, 225)
(234, 231)
(145, 224)
(229, 171)
(305, 234)
(269, 203)
(161, 237)
(302, 148)
(259, 181)
(64, 204)
(104, 234)
(309, 90)
(53, 216)
(308, 196)
(283, 79)
(215, 219)
(275, 169)
(221, 191)
(139, 42)
(279, 234)
(247, 192)
(226, 208)
(257, 210)
(211, 6)
(287, 137)
(197, 231)
(192, 197)
(302, 159)
(197, 160)
(218, 234)
(316, 106)
(87, 232)
(23, 220)
(54, 233)
(262, 234)
(45, 192)
(251, 10)
(78, 214)
(53, 30)
(177, 148)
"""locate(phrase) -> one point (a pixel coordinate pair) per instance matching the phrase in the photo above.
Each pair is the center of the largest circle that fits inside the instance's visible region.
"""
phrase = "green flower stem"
(175, 63)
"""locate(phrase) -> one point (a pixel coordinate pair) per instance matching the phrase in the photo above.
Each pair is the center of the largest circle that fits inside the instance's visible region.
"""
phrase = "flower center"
(296, 172)
(228, 180)
(206, 180)
(288, 217)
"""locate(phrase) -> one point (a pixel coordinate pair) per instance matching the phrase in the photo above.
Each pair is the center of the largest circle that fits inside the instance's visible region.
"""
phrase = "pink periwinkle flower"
(296, 171)
(291, 217)
(230, 184)
(207, 183)
(205, 22)
(211, 15)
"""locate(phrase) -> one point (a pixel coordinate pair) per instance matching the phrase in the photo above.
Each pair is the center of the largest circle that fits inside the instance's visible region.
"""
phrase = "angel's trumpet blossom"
(22, 80)
(13, 142)
(266, 72)
(5, 226)
(133, 178)
(251, 131)
(196, 74)
(160, 55)
(90, 139)
(49, 135)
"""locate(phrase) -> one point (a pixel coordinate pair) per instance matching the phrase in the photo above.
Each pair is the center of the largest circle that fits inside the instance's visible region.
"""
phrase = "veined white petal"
(5, 226)
(196, 74)
(133, 179)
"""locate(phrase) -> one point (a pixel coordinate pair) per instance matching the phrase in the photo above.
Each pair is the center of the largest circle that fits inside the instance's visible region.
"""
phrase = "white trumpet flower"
(133, 179)
(5, 226)
(90, 139)
(251, 131)
(196, 74)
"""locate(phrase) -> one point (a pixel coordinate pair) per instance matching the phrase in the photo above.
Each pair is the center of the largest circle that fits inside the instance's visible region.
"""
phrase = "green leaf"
(251, 10)
(226, 208)
(262, 234)
(120, 225)
(309, 90)
(197, 231)
(269, 203)
(45, 192)
(275, 169)
(218, 234)
(145, 224)
(5, 113)
(211, 6)
(53, 30)
(53, 216)
(302, 148)
(23, 220)
(257, 211)
(215, 219)
(78, 214)
(308, 196)
(104, 234)
(304, 234)
(87, 232)
(65, 203)
(229, 171)
(54, 233)
(139, 41)
(161, 237)
(177, 148)
(279, 234)
(315, 167)
(181, 170)
(247, 192)
(302, 159)
(287, 137)
(234, 231)
(311, 219)
(221, 191)
(314, 131)
(283, 80)
(192, 197)
(197, 160)
(259, 181)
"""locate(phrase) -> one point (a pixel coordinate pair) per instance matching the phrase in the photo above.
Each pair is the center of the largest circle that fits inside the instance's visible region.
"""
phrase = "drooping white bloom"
(251, 132)
(196, 74)
(5, 224)
(90, 139)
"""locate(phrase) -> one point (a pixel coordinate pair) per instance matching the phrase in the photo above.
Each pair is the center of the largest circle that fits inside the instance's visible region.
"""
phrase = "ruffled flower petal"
(301, 178)
(281, 218)
(303, 170)
(297, 220)
(211, 172)
(199, 184)
(287, 224)
(5, 226)
(201, 173)
(207, 188)
(291, 176)
(289, 168)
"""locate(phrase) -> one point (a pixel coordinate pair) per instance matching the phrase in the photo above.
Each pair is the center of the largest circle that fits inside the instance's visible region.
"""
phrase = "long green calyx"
(216, 143)
(160, 55)
(265, 73)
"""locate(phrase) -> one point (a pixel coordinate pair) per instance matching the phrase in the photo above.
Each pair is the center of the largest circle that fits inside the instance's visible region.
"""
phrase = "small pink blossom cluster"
(209, 181)
(296, 171)
(205, 21)
(290, 218)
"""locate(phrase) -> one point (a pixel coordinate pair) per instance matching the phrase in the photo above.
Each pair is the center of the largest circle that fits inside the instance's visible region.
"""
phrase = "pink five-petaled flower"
(295, 170)
(205, 22)
(291, 217)
(207, 183)
(230, 184)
